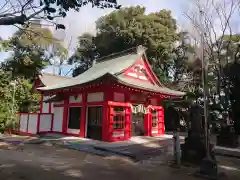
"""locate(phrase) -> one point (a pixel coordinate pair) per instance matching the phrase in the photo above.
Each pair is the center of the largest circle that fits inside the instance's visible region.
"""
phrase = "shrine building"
(117, 98)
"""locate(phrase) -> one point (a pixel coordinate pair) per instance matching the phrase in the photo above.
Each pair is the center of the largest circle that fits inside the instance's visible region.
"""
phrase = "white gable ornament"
(75, 97)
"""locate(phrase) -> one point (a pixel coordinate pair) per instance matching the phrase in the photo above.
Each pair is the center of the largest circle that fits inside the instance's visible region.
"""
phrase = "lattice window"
(119, 118)
(154, 118)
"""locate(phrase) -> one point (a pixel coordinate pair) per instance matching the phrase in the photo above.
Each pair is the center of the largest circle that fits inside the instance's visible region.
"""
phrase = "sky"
(84, 21)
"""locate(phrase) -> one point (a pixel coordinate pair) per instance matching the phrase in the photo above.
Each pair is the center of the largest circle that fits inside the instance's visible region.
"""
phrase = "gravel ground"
(37, 162)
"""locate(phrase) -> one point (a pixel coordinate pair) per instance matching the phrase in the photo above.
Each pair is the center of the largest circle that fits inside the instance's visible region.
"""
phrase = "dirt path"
(36, 162)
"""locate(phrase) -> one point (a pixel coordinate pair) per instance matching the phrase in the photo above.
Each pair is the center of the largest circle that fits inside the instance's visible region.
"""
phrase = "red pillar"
(147, 123)
(128, 117)
(49, 107)
(27, 122)
(128, 122)
(83, 119)
(108, 96)
(38, 122)
(161, 125)
(65, 116)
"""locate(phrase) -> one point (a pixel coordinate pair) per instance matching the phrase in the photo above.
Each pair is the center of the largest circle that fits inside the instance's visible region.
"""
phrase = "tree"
(221, 49)
(33, 48)
(84, 54)
(23, 101)
(182, 67)
(14, 12)
(129, 27)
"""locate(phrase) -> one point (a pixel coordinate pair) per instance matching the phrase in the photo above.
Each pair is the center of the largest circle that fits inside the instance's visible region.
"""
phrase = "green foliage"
(15, 95)
(129, 27)
(84, 55)
(48, 10)
(32, 49)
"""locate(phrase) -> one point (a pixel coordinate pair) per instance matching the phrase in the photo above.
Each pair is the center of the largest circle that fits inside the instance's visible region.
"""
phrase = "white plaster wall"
(23, 122)
(154, 131)
(45, 122)
(59, 102)
(95, 97)
(32, 124)
(118, 134)
(57, 119)
(119, 97)
(51, 104)
(45, 107)
(73, 131)
(75, 99)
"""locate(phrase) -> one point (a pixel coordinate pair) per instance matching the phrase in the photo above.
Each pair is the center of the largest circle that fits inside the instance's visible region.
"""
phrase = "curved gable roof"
(100, 68)
(113, 66)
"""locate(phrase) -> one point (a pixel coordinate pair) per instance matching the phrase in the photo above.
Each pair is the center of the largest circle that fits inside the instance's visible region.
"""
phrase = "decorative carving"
(138, 71)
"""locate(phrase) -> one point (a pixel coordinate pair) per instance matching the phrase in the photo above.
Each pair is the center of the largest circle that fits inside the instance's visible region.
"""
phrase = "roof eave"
(116, 79)
(178, 93)
(103, 77)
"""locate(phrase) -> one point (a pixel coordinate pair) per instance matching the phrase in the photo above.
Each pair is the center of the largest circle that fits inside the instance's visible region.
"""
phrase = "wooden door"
(94, 122)
(138, 124)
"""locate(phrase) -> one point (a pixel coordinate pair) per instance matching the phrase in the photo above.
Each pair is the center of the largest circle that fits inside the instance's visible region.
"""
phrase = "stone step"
(230, 152)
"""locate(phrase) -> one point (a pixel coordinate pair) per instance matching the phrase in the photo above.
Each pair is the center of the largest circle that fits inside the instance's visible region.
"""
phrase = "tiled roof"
(112, 66)
(49, 79)
(149, 86)
(99, 69)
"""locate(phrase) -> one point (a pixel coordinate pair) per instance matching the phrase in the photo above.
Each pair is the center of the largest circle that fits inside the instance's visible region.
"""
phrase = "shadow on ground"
(35, 162)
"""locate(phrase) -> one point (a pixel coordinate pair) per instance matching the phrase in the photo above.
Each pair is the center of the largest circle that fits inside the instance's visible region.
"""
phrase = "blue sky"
(84, 21)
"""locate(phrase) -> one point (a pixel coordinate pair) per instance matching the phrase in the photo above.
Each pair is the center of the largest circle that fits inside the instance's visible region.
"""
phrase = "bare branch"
(21, 19)
(4, 5)
(25, 5)
(25, 30)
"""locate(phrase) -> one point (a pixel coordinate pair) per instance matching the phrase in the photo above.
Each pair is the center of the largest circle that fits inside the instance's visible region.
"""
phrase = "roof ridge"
(134, 49)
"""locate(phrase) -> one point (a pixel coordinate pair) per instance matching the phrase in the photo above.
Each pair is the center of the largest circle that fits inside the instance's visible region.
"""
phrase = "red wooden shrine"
(117, 98)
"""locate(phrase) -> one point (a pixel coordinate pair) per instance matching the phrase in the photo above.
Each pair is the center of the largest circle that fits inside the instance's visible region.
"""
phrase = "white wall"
(75, 99)
(45, 106)
(95, 97)
(45, 122)
(32, 124)
(73, 131)
(51, 104)
(57, 119)
(154, 131)
(23, 122)
(118, 134)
